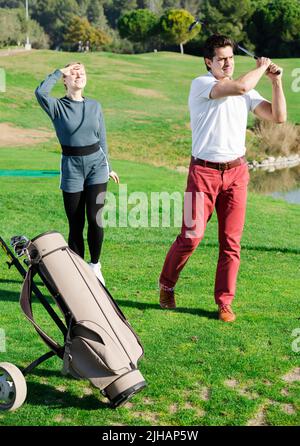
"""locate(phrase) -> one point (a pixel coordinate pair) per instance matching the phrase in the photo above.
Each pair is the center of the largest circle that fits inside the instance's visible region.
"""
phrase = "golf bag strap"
(25, 302)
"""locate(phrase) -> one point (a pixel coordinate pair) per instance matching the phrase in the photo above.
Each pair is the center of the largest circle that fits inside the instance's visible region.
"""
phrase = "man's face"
(76, 80)
(222, 64)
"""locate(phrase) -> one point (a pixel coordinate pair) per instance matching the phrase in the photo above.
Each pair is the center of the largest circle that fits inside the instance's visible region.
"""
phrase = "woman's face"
(76, 78)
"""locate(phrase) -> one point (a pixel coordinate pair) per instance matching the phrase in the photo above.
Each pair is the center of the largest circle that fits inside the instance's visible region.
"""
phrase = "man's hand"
(263, 62)
(270, 67)
(272, 70)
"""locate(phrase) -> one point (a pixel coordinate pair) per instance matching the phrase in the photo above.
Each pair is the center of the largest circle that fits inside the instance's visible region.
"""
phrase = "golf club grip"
(277, 72)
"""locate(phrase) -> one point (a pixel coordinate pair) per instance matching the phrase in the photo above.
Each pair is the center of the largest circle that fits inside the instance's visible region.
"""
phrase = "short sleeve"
(255, 99)
(202, 86)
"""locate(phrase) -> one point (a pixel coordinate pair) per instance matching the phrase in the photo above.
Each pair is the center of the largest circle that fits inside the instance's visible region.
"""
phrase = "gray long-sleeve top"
(77, 123)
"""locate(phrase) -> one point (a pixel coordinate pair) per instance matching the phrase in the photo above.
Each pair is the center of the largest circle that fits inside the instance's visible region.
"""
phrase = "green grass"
(189, 354)
(186, 350)
(142, 125)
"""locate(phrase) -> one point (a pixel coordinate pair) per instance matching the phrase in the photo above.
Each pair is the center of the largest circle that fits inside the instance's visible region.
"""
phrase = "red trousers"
(207, 189)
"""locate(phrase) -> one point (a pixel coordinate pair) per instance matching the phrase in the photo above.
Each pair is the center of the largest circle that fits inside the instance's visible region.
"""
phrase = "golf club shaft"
(192, 26)
(255, 57)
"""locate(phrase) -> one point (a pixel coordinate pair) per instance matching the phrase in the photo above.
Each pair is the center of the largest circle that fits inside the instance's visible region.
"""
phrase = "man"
(218, 173)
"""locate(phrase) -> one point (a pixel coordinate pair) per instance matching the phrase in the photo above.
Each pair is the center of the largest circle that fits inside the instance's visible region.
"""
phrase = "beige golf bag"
(100, 344)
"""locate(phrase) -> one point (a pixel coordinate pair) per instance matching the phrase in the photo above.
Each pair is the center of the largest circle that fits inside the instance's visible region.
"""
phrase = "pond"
(281, 183)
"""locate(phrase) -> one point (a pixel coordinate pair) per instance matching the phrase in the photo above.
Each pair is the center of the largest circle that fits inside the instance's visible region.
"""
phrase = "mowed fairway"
(144, 98)
(199, 371)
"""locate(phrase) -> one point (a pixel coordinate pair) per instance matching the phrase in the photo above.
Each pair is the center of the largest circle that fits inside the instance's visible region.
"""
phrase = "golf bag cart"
(99, 343)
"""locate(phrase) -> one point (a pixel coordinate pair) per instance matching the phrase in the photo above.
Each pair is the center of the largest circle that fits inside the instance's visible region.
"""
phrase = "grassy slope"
(142, 125)
(189, 354)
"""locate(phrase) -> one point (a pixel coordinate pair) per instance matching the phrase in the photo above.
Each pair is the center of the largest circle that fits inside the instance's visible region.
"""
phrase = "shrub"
(277, 139)
(118, 45)
(79, 29)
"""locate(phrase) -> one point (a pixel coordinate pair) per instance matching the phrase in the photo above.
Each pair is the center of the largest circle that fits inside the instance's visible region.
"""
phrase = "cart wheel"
(13, 388)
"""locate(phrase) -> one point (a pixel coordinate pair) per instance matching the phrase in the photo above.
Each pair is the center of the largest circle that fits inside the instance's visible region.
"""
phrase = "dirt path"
(16, 136)
(14, 52)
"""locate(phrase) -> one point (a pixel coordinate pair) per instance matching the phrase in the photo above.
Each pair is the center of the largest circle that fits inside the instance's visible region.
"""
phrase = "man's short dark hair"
(213, 42)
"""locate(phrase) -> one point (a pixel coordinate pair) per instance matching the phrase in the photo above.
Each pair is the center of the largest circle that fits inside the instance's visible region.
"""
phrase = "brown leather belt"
(220, 166)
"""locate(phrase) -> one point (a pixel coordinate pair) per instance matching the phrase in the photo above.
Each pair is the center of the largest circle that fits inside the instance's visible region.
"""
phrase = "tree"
(79, 29)
(171, 4)
(10, 27)
(189, 5)
(274, 28)
(37, 37)
(95, 14)
(14, 27)
(82, 7)
(193, 6)
(174, 27)
(114, 9)
(227, 17)
(138, 25)
(155, 6)
(13, 4)
(54, 16)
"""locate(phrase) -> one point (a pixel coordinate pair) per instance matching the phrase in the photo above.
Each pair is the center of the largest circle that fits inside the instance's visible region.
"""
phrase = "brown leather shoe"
(226, 314)
(167, 299)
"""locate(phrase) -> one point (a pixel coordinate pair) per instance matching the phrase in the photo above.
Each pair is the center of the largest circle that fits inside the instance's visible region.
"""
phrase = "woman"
(85, 169)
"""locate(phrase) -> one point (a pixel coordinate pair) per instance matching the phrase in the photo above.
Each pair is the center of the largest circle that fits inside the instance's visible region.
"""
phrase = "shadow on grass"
(9, 296)
(39, 284)
(145, 306)
(19, 282)
(39, 394)
(203, 245)
(12, 296)
(6, 296)
(282, 249)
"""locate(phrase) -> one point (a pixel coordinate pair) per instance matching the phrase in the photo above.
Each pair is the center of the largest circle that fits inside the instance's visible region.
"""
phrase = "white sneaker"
(96, 267)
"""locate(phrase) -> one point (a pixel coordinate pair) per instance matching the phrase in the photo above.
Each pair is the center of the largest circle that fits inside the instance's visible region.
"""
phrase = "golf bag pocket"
(92, 354)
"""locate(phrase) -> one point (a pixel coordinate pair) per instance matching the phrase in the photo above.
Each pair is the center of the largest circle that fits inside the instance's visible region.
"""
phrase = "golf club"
(192, 26)
(19, 244)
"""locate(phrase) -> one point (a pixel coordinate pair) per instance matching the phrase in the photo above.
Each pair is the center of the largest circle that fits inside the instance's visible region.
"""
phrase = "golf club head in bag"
(19, 244)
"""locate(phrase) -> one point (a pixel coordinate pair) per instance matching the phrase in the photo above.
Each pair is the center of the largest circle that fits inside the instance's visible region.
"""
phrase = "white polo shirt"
(219, 125)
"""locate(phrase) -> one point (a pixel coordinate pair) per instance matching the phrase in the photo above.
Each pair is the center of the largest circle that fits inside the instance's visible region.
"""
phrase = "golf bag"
(99, 343)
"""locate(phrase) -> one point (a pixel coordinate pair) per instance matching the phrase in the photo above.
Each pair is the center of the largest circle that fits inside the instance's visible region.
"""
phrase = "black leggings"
(75, 205)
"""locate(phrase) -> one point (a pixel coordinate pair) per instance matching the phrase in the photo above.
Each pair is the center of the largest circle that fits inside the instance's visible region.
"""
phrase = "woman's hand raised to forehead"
(67, 71)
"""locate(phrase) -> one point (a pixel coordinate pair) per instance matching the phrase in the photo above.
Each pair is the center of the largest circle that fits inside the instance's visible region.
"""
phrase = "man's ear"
(208, 62)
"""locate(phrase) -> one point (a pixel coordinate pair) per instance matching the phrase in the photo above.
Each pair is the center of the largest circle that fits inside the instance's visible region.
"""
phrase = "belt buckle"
(223, 166)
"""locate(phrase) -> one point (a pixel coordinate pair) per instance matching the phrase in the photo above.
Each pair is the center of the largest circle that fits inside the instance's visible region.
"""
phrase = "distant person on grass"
(218, 171)
(85, 169)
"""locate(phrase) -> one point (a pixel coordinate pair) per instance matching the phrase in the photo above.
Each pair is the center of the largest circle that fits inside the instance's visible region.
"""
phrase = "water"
(281, 184)
(293, 196)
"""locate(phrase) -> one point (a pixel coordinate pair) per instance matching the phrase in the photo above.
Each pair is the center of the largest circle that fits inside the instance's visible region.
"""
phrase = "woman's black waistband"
(80, 150)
